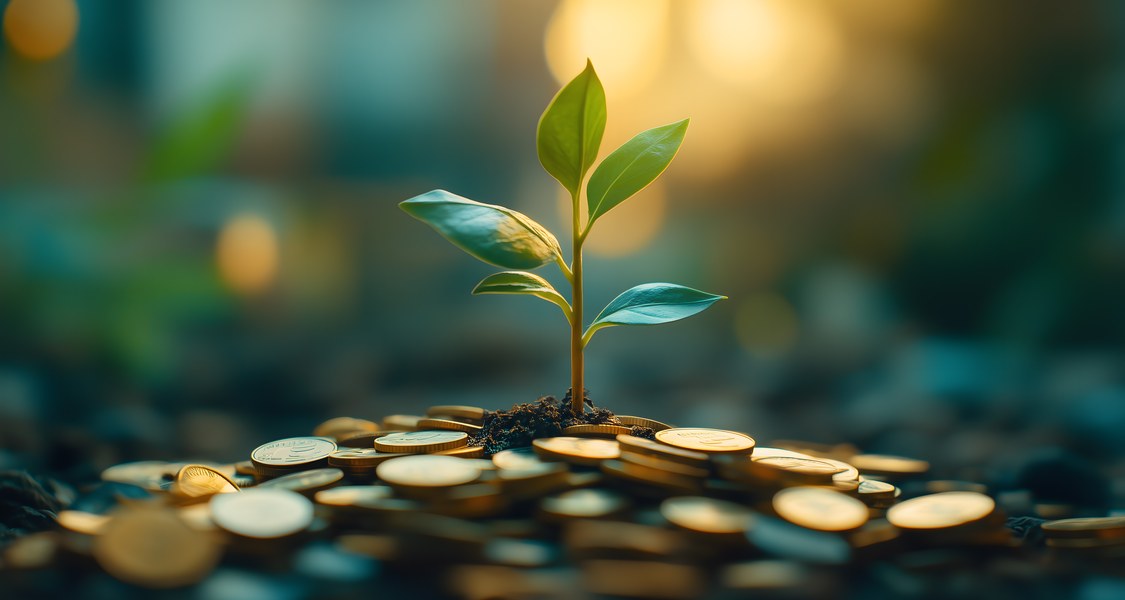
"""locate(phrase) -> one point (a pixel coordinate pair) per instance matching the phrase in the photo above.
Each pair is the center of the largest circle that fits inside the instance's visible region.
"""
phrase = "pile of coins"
(695, 512)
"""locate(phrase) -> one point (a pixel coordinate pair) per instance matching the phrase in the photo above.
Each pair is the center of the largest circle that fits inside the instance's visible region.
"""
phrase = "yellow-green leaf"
(519, 282)
(570, 130)
(633, 166)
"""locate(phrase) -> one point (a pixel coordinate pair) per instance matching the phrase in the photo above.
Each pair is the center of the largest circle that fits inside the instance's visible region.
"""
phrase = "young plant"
(568, 138)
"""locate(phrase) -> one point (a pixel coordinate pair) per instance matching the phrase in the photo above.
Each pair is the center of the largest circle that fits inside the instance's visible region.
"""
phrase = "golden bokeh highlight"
(40, 29)
(626, 39)
(626, 229)
(784, 52)
(767, 325)
(247, 254)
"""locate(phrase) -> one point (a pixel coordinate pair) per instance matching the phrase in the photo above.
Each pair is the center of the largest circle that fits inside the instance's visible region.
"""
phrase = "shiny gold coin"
(421, 442)
(334, 428)
(652, 424)
(889, 466)
(447, 425)
(877, 490)
(712, 441)
(630, 443)
(198, 481)
(808, 470)
(292, 453)
(358, 439)
(602, 430)
(517, 459)
(152, 547)
(472, 413)
(941, 511)
(657, 462)
(582, 451)
(1092, 527)
(584, 504)
(820, 509)
(359, 458)
(82, 522)
(262, 513)
(353, 495)
(707, 515)
(654, 478)
(428, 471)
(401, 422)
(464, 452)
(305, 481)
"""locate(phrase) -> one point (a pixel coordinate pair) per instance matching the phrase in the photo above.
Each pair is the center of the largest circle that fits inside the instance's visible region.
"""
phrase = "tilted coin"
(808, 470)
(353, 495)
(428, 471)
(401, 422)
(198, 481)
(642, 422)
(358, 439)
(305, 481)
(333, 428)
(82, 522)
(601, 430)
(262, 513)
(447, 425)
(1089, 527)
(658, 479)
(149, 474)
(517, 458)
(702, 439)
(630, 443)
(657, 462)
(152, 547)
(941, 511)
(707, 515)
(421, 442)
(356, 458)
(877, 490)
(533, 483)
(820, 509)
(472, 413)
(293, 452)
(466, 452)
(583, 451)
(890, 466)
(586, 504)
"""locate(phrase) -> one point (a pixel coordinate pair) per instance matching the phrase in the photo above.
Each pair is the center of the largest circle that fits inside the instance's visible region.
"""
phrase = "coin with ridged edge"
(583, 451)
(421, 442)
(198, 481)
(305, 481)
(447, 425)
(702, 439)
(291, 453)
(601, 430)
(652, 424)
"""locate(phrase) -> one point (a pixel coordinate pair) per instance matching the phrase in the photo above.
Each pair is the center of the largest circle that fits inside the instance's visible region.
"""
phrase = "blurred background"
(916, 208)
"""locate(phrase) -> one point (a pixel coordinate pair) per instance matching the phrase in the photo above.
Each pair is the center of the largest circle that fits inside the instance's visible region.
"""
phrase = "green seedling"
(568, 138)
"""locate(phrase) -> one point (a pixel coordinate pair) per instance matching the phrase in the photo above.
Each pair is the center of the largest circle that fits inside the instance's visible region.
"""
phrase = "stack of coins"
(693, 512)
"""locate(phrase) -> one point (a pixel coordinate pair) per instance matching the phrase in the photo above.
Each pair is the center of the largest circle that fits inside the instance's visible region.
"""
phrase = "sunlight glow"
(40, 29)
(247, 254)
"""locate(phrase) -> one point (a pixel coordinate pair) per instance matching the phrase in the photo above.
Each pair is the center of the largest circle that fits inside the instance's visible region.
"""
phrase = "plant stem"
(577, 385)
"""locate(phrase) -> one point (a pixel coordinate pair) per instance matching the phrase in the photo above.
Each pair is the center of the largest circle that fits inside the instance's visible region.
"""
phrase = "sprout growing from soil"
(568, 138)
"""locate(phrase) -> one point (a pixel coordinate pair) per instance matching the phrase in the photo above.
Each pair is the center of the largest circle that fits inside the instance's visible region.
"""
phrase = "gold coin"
(464, 452)
(877, 490)
(643, 422)
(891, 466)
(820, 509)
(262, 513)
(421, 442)
(472, 413)
(582, 451)
(585, 504)
(358, 439)
(656, 478)
(1091, 527)
(82, 522)
(198, 481)
(807, 470)
(706, 515)
(305, 481)
(353, 495)
(149, 474)
(152, 547)
(447, 425)
(941, 511)
(401, 422)
(517, 459)
(335, 428)
(602, 430)
(636, 444)
(294, 452)
(428, 471)
(657, 462)
(702, 439)
(360, 458)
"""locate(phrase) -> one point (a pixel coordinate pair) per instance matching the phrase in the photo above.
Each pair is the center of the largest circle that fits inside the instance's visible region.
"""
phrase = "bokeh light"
(40, 29)
(626, 229)
(626, 39)
(247, 254)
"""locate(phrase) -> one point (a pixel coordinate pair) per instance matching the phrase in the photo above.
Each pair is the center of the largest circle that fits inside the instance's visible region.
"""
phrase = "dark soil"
(546, 417)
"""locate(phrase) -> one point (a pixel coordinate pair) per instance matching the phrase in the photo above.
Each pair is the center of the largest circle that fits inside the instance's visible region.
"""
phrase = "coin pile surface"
(694, 512)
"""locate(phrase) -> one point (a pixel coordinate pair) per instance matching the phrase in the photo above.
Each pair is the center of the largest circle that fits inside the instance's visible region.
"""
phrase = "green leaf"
(633, 166)
(519, 282)
(651, 304)
(570, 130)
(197, 141)
(494, 234)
